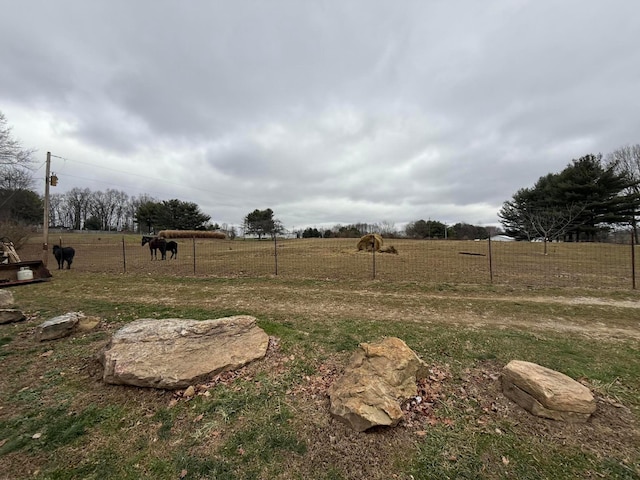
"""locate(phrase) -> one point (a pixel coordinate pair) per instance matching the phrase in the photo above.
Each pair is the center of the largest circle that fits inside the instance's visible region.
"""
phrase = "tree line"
(589, 198)
(111, 209)
(419, 229)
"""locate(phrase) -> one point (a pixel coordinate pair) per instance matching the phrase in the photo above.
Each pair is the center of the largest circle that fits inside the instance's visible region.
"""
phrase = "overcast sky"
(325, 111)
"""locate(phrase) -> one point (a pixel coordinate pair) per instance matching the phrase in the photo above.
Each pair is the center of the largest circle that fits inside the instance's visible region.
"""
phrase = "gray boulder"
(11, 315)
(58, 327)
(174, 353)
(547, 393)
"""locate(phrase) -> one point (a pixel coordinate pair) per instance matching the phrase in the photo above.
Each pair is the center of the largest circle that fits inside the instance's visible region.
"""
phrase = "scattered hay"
(190, 234)
(389, 249)
(372, 241)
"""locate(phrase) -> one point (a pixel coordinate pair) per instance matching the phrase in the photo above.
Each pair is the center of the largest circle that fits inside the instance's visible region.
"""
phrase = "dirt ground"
(612, 430)
(475, 393)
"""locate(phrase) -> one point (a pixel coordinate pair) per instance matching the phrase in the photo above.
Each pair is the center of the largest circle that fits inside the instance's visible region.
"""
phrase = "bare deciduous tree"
(626, 160)
(77, 201)
(552, 224)
(15, 160)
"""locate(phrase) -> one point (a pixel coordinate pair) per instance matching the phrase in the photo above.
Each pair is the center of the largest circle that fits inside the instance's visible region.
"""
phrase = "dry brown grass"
(594, 265)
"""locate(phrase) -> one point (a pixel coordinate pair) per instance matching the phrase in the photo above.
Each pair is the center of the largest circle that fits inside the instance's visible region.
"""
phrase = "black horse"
(173, 248)
(63, 254)
(155, 244)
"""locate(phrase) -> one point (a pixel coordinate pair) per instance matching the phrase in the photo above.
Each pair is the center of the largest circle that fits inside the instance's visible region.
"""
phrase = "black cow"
(63, 254)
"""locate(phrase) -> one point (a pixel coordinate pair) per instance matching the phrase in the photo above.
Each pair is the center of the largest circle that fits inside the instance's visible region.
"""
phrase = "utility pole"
(45, 225)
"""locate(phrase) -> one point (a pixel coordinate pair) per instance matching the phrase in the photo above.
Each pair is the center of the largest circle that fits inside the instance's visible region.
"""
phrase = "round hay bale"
(369, 242)
(191, 234)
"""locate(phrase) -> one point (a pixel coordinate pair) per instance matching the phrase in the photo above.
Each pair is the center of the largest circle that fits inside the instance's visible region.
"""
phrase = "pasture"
(590, 265)
(58, 420)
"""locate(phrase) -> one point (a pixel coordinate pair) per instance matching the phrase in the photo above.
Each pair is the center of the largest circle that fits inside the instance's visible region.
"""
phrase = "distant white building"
(502, 238)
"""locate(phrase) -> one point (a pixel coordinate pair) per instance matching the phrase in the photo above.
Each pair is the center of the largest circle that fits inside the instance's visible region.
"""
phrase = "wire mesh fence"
(596, 265)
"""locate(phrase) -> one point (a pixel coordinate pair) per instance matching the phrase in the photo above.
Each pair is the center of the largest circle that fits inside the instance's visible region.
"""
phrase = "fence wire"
(598, 265)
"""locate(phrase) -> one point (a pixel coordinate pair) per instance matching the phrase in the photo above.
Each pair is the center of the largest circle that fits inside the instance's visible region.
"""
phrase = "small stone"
(189, 392)
(11, 315)
(58, 327)
(6, 298)
(86, 324)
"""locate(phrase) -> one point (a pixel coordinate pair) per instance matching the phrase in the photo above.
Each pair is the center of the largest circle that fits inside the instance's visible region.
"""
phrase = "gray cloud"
(328, 113)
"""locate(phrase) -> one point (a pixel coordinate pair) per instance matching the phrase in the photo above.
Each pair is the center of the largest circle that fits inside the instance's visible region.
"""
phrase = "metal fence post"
(490, 263)
(275, 252)
(124, 257)
(373, 257)
(194, 255)
(633, 260)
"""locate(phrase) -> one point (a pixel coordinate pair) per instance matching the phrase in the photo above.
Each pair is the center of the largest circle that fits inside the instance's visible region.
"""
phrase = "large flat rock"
(547, 393)
(175, 353)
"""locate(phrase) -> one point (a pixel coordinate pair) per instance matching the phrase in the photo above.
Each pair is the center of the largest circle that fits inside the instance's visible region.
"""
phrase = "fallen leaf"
(47, 353)
(183, 473)
(505, 460)
(421, 433)
(198, 418)
(36, 435)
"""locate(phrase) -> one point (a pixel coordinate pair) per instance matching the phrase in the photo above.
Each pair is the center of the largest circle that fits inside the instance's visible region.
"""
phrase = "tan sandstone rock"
(174, 353)
(378, 378)
(547, 393)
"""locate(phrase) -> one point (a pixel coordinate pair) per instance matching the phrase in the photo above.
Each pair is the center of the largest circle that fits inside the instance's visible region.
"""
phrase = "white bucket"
(25, 273)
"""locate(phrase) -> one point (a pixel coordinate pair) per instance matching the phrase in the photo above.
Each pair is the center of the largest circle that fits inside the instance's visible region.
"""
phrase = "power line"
(148, 191)
(146, 177)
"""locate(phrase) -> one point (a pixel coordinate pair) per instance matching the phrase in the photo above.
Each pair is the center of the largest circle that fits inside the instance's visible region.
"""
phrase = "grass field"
(58, 420)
